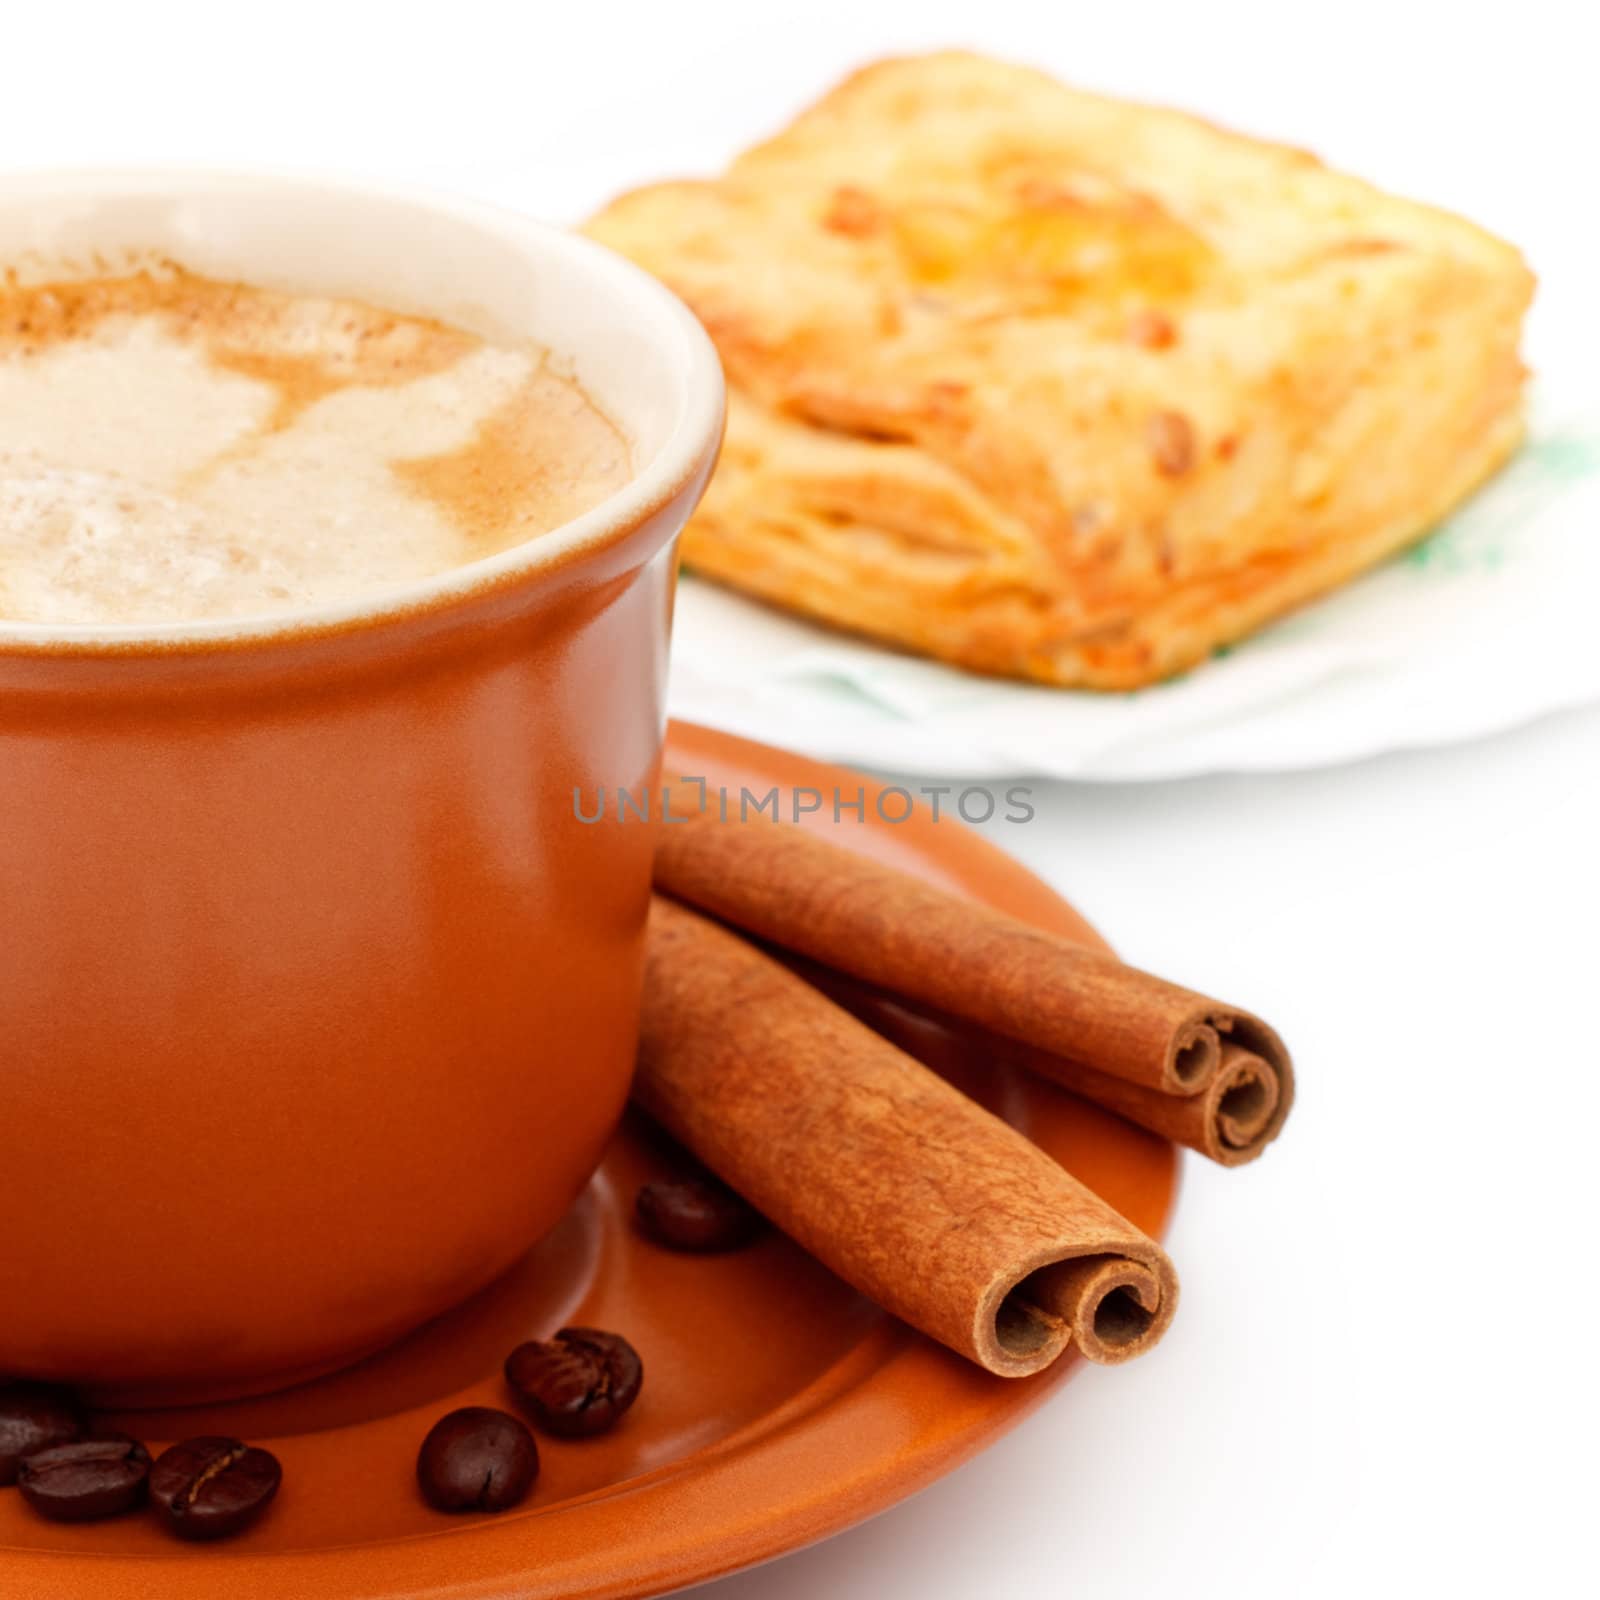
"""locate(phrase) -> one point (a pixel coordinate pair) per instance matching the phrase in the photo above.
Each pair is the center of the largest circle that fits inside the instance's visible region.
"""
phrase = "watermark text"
(893, 804)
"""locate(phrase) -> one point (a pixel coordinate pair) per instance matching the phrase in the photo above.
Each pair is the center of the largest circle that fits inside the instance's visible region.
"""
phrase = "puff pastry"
(1054, 386)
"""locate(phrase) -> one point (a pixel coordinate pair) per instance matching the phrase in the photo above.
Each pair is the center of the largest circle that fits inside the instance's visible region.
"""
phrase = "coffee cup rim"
(672, 469)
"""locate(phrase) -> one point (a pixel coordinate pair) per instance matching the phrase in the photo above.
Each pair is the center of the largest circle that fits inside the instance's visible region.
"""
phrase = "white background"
(1383, 1371)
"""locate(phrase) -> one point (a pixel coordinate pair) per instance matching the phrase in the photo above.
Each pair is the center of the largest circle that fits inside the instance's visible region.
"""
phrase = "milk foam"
(174, 449)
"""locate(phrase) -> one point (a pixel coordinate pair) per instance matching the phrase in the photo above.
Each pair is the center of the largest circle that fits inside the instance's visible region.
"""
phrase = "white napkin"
(1492, 621)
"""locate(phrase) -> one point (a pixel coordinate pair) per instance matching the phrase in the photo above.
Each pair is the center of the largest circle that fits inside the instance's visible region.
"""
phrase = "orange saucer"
(778, 1406)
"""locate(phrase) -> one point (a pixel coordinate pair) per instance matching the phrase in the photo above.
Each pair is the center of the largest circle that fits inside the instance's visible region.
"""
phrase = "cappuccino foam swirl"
(173, 448)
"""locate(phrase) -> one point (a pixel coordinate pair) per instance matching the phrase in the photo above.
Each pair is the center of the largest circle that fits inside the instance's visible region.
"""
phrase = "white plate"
(1489, 623)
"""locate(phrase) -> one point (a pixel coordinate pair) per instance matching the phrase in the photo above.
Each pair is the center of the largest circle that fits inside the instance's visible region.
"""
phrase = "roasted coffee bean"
(477, 1459)
(86, 1480)
(577, 1384)
(213, 1488)
(696, 1215)
(34, 1416)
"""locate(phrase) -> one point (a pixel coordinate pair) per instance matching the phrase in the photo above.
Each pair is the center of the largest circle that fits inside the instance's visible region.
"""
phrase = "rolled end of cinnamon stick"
(1194, 1055)
(1232, 1119)
(929, 1204)
(1112, 1307)
(1245, 1106)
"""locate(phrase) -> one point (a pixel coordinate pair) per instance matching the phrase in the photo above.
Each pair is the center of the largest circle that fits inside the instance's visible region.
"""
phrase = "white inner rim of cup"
(632, 345)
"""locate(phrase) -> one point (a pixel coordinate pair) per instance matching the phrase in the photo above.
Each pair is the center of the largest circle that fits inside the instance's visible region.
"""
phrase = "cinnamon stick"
(939, 1211)
(1128, 1040)
(1231, 1120)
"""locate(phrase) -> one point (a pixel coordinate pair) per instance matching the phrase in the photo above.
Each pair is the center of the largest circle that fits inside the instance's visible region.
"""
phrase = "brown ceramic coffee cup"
(317, 999)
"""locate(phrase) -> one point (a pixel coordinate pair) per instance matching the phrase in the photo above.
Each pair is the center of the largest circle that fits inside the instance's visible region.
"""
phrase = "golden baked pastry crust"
(1055, 386)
